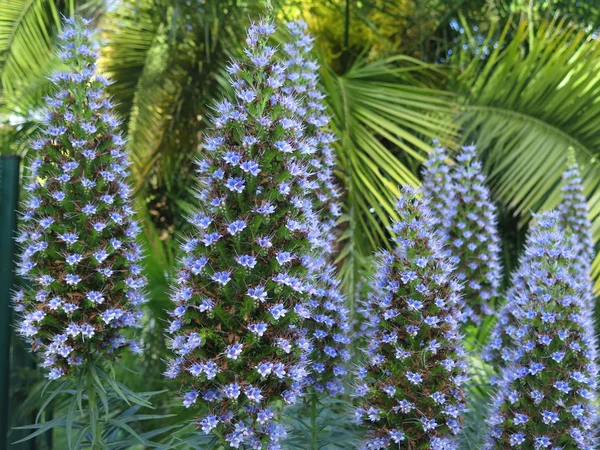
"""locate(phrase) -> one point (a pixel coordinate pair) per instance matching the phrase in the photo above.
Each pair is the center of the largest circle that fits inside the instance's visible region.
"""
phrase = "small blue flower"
(248, 261)
(236, 227)
(221, 277)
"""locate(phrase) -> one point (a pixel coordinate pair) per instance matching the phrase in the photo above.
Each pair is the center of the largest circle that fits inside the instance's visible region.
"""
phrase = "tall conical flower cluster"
(573, 213)
(409, 392)
(78, 231)
(547, 393)
(474, 244)
(329, 327)
(438, 189)
(499, 351)
(466, 218)
(573, 221)
(252, 295)
(302, 81)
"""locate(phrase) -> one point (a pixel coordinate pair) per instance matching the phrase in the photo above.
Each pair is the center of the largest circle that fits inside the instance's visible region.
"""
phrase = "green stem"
(93, 410)
(313, 422)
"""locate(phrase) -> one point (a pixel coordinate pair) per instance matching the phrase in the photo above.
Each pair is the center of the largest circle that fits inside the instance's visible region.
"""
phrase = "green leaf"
(525, 105)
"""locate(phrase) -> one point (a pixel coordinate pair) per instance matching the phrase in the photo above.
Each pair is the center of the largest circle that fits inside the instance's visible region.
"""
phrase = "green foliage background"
(518, 78)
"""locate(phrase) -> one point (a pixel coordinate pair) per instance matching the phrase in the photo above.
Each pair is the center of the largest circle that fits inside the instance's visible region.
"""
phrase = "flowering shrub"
(329, 326)
(410, 389)
(259, 319)
(466, 217)
(547, 391)
(474, 243)
(78, 231)
(251, 275)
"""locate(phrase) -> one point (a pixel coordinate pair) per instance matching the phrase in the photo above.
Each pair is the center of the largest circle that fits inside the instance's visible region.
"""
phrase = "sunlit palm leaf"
(27, 28)
(150, 109)
(385, 116)
(27, 32)
(525, 105)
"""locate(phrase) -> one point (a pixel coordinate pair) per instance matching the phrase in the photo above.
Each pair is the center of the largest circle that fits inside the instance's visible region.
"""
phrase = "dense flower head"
(473, 243)
(254, 294)
(78, 229)
(330, 322)
(499, 351)
(573, 212)
(573, 221)
(465, 216)
(410, 390)
(438, 189)
(546, 396)
(302, 81)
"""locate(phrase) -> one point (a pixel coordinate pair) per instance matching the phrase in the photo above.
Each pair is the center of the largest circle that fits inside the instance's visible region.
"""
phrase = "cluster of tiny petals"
(474, 244)
(437, 187)
(253, 294)
(573, 221)
(409, 393)
(302, 81)
(573, 212)
(466, 218)
(330, 323)
(78, 230)
(547, 391)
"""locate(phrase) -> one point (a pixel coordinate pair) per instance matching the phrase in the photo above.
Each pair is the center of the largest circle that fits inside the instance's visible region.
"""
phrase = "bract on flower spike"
(329, 324)
(250, 278)
(78, 229)
(547, 392)
(410, 390)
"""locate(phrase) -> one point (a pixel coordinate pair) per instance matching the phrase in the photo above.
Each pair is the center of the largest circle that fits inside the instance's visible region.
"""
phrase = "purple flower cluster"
(573, 221)
(255, 299)
(78, 229)
(573, 212)
(466, 218)
(437, 187)
(547, 395)
(410, 390)
(329, 324)
(302, 81)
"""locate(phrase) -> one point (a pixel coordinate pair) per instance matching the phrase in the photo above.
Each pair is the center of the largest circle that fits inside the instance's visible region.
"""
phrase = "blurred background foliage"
(520, 78)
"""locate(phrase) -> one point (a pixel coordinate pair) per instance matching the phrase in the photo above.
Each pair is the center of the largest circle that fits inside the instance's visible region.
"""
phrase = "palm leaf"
(27, 32)
(27, 28)
(524, 106)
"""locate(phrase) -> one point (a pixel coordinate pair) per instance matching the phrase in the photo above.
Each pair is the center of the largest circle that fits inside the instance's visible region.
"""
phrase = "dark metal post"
(9, 198)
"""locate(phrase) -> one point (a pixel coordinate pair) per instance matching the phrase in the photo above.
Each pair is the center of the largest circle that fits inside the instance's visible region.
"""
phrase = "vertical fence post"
(9, 198)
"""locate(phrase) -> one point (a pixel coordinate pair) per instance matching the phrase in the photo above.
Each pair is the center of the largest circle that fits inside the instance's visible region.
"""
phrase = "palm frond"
(27, 32)
(526, 105)
(27, 28)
